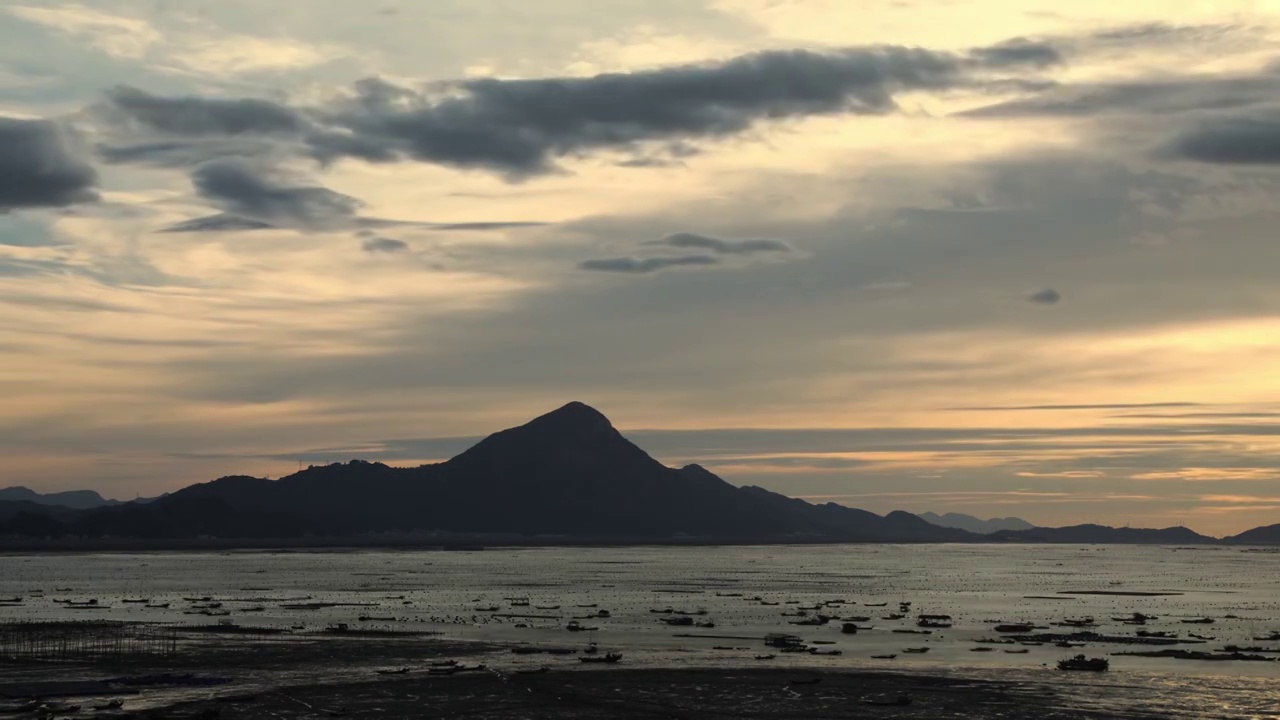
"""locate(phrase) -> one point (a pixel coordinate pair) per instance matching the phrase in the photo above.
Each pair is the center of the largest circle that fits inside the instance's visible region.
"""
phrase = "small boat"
(1080, 662)
(444, 663)
(1020, 651)
(400, 671)
(546, 607)
(766, 657)
(442, 670)
(1014, 628)
(127, 601)
(909, 631)
(849, 629)
(933, 623)
(901, 700)
(1065, 644)
(491, 608)
(604, 614)
(916, 650)
(206, 598)
(707, 624)
(158, 606)
(113, 705)
(875, 604)
(981, 648)
(859, 618)
(560, 651)
(470, 668)
(893, 616)
(589, 605)
(883, 657)
(678, 621)
(575, 626)
(609, 658)
(1199, 621)
(816, 651)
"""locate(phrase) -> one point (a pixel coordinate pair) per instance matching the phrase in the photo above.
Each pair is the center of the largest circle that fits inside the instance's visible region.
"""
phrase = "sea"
(530, 595)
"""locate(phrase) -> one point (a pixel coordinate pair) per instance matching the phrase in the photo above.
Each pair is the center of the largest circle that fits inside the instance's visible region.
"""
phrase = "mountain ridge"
(973, 524)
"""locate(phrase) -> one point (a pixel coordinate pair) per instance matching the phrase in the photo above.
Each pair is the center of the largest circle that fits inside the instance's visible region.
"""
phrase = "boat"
(609, 658)
(1199, 621)
(470, 668)
(546, 607)
(679, 621)
(127, 601)
(561, 651)
(708, 624)
(589, 605)
(604, 614)
(1020, 651)
(781, 640)
(875, 604)
(816, 651)
(909, 631)
(1080, 662)
(575, 626)
(893, 616)
(849, 629)
(1015, 628)
(401, 671)
(444, 663)
(766, 657)
(883, 657)
(916, 650)
(491, 608)
(158, 606)
(859, 618)
(924, 623)
(113, 705)
(442, 670)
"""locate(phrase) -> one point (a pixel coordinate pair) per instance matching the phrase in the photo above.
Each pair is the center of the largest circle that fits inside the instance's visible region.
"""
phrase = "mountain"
(975, 525)
(568, 473)
(77, 499)
(1101, 534)
(1266, 535)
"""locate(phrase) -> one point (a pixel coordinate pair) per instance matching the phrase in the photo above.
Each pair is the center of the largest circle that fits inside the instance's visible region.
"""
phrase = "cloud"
(192, 116)
(245, 191)
(640, 266)
(384, 245)
(1048, 296)
(1247, 140)
(521, 127)
(693, 241)
(1102, 406)
(182, 153)
(217, 223)
(39, 169)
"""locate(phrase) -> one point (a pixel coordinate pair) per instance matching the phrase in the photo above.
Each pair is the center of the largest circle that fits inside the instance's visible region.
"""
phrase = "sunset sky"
(1001, 257)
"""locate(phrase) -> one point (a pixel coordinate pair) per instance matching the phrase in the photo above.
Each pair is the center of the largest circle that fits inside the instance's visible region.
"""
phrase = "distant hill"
(972, 524)
(1266, 535)
(77, 499)
(568, 473)
(1101, 534)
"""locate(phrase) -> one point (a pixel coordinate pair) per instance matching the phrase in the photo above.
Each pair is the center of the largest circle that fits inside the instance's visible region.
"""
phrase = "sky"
(1001, 257)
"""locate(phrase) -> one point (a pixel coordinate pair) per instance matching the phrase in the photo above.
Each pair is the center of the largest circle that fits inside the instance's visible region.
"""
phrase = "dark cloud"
(693, 241)
(521, 127)
(1140, 97)
(245, 191)
(1019, 52)
(1230, 141)
(1048, 296)
(39, 169)
(217, 223)
(640, 266)
(384, 245)
(197, 116)
(182, 153)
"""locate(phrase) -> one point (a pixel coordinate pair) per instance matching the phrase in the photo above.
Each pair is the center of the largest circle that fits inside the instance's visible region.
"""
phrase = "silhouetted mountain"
(972, 524)
(1266, 535)
(567, 473)
(1101, 534)
(78, 499)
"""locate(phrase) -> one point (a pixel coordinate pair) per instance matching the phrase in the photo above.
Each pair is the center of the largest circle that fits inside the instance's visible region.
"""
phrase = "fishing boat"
(609, 658)
(766, 657)
(1080, 662)
(883, 657)
(916, 650)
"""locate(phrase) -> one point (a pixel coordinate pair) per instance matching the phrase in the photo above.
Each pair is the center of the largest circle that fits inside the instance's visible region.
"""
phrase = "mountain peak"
(576, 414)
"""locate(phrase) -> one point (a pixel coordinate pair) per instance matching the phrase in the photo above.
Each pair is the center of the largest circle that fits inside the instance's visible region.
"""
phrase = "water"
(975, 584)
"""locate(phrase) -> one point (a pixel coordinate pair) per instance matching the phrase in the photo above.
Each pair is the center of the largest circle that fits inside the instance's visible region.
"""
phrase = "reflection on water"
(454, 593)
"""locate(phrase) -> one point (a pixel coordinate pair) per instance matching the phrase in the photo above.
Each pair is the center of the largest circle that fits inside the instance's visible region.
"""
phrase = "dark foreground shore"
(232, 677)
